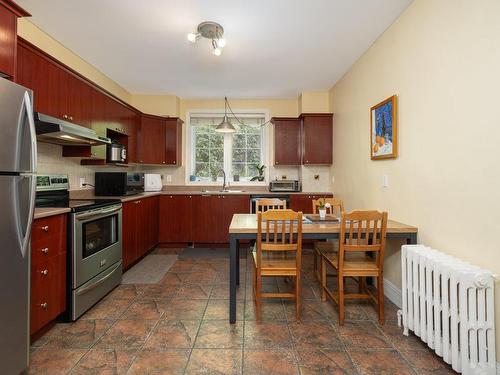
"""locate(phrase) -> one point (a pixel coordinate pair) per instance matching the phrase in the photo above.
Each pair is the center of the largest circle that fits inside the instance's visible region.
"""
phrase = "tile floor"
(180, 326)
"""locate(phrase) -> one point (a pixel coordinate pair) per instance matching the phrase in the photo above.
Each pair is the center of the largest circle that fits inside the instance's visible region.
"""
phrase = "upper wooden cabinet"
(173, 151)
(9, 12)
(286, 141)
(160, 140)
(317, 138)
(306, 140)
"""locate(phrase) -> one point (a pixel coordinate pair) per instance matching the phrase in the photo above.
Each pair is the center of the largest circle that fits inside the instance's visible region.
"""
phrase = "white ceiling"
(275, 48)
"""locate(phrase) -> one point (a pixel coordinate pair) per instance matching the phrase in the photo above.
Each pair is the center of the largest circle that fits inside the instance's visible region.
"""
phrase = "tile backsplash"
(50, 160)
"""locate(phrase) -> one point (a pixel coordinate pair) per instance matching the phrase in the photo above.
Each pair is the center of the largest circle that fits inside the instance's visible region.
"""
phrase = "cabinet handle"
(44, 305)
(45, 250)
(174, 162)
(307, 161)
(71, 117)
(45, 228)
(163, 162)
(44, 272)
(309, 197)
(223, 197)
(277, 162)
(189, 196)
(65, 116)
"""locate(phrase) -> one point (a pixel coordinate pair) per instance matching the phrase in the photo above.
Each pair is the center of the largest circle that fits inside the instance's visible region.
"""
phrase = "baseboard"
(393, 293)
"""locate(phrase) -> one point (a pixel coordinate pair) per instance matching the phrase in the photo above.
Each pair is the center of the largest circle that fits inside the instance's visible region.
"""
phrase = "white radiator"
(449, 304)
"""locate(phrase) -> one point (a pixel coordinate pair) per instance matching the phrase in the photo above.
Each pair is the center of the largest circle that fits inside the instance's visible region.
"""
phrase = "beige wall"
(163, 105)
(314, 102)
(442, 60)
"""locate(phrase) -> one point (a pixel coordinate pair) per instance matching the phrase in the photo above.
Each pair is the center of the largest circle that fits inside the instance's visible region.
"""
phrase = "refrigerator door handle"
(24, 240)
(27, 107)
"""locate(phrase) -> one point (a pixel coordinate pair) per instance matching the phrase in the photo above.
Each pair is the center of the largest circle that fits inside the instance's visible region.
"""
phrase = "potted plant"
(260, 169)
(322, 207)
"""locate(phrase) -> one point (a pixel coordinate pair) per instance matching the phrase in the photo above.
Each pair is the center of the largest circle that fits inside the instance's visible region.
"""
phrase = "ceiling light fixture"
(210, 30)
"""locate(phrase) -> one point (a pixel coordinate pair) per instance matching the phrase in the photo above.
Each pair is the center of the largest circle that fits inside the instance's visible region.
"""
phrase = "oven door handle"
(98, 282)
(99, 213)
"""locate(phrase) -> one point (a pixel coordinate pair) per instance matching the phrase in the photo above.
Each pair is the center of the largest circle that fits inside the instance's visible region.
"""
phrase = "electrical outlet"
(82, 181)
(283, 177)
(169, 178)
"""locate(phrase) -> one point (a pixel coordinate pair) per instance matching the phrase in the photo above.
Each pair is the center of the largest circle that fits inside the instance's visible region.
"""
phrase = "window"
(238, 154)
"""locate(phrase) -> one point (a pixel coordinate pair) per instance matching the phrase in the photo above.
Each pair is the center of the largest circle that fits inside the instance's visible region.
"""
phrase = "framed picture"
(384, 129)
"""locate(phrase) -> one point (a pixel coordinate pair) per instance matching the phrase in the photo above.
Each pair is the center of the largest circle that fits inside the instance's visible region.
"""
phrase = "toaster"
(152, 182)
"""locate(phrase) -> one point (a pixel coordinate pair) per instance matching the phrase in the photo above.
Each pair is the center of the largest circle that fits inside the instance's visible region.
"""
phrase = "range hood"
(53, 130)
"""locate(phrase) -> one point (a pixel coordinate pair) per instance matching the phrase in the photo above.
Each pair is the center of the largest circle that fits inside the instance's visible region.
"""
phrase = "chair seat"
(360, 265)
(275, 266)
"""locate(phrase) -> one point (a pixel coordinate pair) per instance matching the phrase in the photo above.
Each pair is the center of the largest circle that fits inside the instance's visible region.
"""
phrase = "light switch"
(385, 180)
(169, 178)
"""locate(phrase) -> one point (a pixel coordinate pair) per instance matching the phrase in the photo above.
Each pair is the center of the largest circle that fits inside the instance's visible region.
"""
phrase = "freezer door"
(16, 207)
(17, 129)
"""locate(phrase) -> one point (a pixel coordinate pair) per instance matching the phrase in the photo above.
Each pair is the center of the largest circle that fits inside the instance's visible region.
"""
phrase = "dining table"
(244, 227)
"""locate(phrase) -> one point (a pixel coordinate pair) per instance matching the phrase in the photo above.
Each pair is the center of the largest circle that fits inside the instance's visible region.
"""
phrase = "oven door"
(97, 242)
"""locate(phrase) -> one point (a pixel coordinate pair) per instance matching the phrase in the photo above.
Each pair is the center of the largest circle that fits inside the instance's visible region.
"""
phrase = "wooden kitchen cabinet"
(287, 145)
(173, 146)
(139, 228)
(206, 216)
(175, 218)
(231, 204)
(303, 202)
(9, 12)
(152, 140)
(317, 138)
(48, 270)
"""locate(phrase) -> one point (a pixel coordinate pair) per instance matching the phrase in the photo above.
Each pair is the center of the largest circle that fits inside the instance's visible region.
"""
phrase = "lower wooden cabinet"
(199, 218)
(139, 228)
(175, 218)
(48, 270)
(303, 202)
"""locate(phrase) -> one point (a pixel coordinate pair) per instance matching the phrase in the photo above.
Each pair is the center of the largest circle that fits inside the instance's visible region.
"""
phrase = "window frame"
(240, 113)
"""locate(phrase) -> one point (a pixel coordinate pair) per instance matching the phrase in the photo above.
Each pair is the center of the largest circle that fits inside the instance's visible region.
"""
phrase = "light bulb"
(221, 42)
(217, 51)
(192, 37)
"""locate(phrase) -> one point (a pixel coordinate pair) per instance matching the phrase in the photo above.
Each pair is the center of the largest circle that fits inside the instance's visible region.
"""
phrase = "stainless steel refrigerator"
(17, 205)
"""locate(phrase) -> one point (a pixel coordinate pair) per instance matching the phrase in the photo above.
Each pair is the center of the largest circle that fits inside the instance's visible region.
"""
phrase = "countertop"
(50, 211)
(169, 190)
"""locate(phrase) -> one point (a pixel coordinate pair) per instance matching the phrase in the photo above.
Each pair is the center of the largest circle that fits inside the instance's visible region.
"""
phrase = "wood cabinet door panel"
(152, 141)
(79, 99)
(287, 141)
(41, 76)
(231, 204)
(175, 218)
(48, 291)
(129, 233)
(8, 38)
(317, 138)
(173, 145)
(206, 212)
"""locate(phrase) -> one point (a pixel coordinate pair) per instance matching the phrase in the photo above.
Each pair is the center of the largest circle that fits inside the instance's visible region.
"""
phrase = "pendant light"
(225, 126)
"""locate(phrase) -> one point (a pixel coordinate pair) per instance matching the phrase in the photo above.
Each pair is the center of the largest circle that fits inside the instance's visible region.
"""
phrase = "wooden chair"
(336, 208)
(362, 233)
(264, 204)
(278, 231)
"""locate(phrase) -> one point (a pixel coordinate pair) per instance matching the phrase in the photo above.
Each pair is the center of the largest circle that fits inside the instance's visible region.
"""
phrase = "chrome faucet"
(224, 187)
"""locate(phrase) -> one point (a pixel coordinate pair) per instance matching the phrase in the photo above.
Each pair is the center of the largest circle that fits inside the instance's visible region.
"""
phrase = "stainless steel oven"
(96, 255)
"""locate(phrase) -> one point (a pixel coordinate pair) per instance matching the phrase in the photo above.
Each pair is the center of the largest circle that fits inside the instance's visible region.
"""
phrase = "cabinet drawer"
(47, 248)
(48, 290)
(48, 228)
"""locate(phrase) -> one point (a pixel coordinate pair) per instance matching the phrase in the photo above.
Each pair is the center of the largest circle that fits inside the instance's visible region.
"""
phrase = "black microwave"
(118, 183)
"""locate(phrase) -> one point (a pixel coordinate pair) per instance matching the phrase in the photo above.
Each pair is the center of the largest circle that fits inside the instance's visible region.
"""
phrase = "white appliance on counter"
(152, 182)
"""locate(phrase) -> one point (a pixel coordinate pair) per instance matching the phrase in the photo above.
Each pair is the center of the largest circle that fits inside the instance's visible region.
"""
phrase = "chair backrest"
(265, 204)
(279, 230)
(363, 231)
(336, 206)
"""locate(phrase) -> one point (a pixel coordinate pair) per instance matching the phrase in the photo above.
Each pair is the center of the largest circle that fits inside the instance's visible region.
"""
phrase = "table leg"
(233, 260)
(412, 239)
(237, 262)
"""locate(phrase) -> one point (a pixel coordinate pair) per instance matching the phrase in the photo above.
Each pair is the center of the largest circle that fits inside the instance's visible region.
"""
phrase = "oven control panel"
(50, 182)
